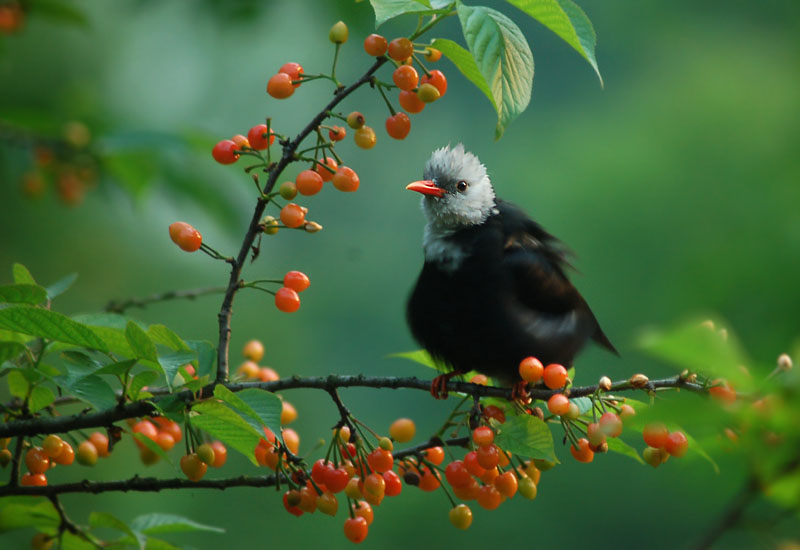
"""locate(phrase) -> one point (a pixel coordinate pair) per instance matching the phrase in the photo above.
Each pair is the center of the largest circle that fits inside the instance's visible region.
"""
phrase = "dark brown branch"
(288, 156)
(191, 294)
(66, 523)
(61, 424)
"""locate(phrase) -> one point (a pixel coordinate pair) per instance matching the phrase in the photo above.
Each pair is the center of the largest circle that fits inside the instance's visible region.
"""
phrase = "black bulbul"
(493, 288)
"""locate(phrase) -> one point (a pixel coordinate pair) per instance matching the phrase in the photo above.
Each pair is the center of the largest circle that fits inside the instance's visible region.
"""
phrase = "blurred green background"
(677, 186)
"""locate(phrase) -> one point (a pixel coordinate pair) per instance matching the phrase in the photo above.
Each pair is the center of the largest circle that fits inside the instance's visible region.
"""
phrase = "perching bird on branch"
(493, 288)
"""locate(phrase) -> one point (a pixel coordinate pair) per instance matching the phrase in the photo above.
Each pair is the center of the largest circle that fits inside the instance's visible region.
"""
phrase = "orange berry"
(489, 497)
(248, 369)
(66, 456)
(308, 182)
(193, 468)
(531, 369)
(437, 78)
(53, 445)
(433, 55)
(292, 440)
(257, 136)
(676, 444)
(280, 86)
(253, 350)
(296, 280)
(429, 481)
(411, 102)
(488, 456)
(288, 413)
(266, 374)
(482, 436)
(655, 435)
(363, 509)
(224, 152)
(33, 480)
(292, 215)
(595, 435)
(294, 70)
(241, 142)
(87, 453)
(398, 125)
(480, 379)
(345, 179)
(100, 442)
(325, 174)
(472, 465)
(400, 49)
(402, 430)
(583, 453)
(355, 529)
(722, 391)
(555, 376)
(185, 236)
(36, 460)
(287, 300)
(165, 440)
(337, 133)
(375, 45)
(380, 461)
(506, 483)
(558, 404)
(435, 455)
(405, 77)
(365, 137)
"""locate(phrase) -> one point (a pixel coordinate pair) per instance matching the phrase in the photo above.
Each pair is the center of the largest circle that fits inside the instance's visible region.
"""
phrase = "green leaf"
(22, 294)
(22, 512)
(21, 275)
(153, 446)
(172, 362)
(41, 396)
(567, 20)
(90, 389)
(17, 384)
(154, 524)
(49, 324)
(160, 334)
(103, 519)
(61, 286)
(465, 63)
(139, 381)
(206, 355)
(259, 405)
(696, 449)
(698, 348)
(110, 327)
(503, 58)
(526, 435)
(141, 344)
(388, 9)
(421, 357)
(117, 369)
(618, 446)
(584, 404)
(226, 425)
(63, 12)
(9, 350)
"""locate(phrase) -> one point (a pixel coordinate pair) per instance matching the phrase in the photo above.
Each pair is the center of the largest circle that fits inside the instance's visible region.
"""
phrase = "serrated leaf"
(81, 359)
(104, 519)
(117, 369)
(567, 20)
(698, 348)
(206, 355)
(22, 294)
(141, 344)
(465, 63)
(17, 384)
(22, 512)
(503, 58)
(9, 350)
(421, 357)
(75, 542)
(21, 275)
(388, 9)
(41, 397)
(618, 446)
(139, 381)
(526, 435)
(172, 362)
(160, 334)
(49, 324)
(61, 286)
(154, 524)
(93, 390)
(263, 407)
(153, 446)
(226, 425)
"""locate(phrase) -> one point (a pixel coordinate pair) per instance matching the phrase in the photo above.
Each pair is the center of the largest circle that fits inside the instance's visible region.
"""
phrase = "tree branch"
(288, 156)
(191, 294)
(61, 424)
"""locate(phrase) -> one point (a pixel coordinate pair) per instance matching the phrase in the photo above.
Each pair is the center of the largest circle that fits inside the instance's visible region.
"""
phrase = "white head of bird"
(456, 190)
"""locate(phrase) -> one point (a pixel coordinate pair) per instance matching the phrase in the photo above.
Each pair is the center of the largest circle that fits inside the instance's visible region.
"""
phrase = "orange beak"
(426, 187)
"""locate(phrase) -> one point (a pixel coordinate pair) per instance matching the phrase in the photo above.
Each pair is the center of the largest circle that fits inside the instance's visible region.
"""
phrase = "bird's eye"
(462, 186)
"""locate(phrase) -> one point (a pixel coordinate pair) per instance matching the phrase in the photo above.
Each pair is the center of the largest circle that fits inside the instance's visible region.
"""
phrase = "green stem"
(386, 99)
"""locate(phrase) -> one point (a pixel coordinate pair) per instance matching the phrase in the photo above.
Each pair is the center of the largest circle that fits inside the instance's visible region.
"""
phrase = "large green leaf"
(616, 445)
(41, 397)
(206, 355)
(154, 524)
(17, 384)
(172, 362)
(226, 425)
(162, 335)
(387, 9)
(22, 294)
(139, 381)
(526, 435)
(21, 512)
(503, 58)
(465, 63)
(568, 21)
(263, 406)
(141, 344)
(104, 519)
(49, 324)
(9, 350)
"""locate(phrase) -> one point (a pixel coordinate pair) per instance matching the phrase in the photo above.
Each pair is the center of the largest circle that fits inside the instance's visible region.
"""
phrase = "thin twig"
(191, 294)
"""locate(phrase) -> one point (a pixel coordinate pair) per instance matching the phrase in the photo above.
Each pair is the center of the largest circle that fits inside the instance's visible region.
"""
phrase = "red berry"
(555, 376)
(100, 442)
(506, 483)
(355, 529)
(583, 453)
(224, 152)
(67, 455)
(337, 133)
(611, 424)
(345, 179)
(531, 369)
(325, 174)
(429, 481)
(375, 45)
(291, 499)
(287, 300)
(405, 77)
(493, 411)
(37, 461)
(435, 455)
(437, 78)
(400, 49)
(411, 102)
(558, 404)
(308, 182)
(319, 471)
(193, 467)
(280, 86)
(293, 215)
(489, 497)
(144, 427)
(472, 465)
(380, 461)
(595, 435)
(488, 456)
(294, 70)
(398, 126)
(33, 480)
(676, 444)
(257, 136)
(655, 435)
(393, 484)
(185, 236)
(482, 436)
(457, 474)
(296, 280)
(336, 479)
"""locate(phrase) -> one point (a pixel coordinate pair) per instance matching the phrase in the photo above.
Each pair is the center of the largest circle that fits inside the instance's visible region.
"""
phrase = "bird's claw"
(439, 385)
(520, 394)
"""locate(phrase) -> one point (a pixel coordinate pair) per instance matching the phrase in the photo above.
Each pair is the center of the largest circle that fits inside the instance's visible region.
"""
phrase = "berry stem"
(333, 68)
(379, 85)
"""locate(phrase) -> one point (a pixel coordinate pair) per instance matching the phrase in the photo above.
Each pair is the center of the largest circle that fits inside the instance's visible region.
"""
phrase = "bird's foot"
(520, 394)
(439, 384)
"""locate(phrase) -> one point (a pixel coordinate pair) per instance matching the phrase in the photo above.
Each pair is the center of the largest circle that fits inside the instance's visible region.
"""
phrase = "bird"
(493, 288)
